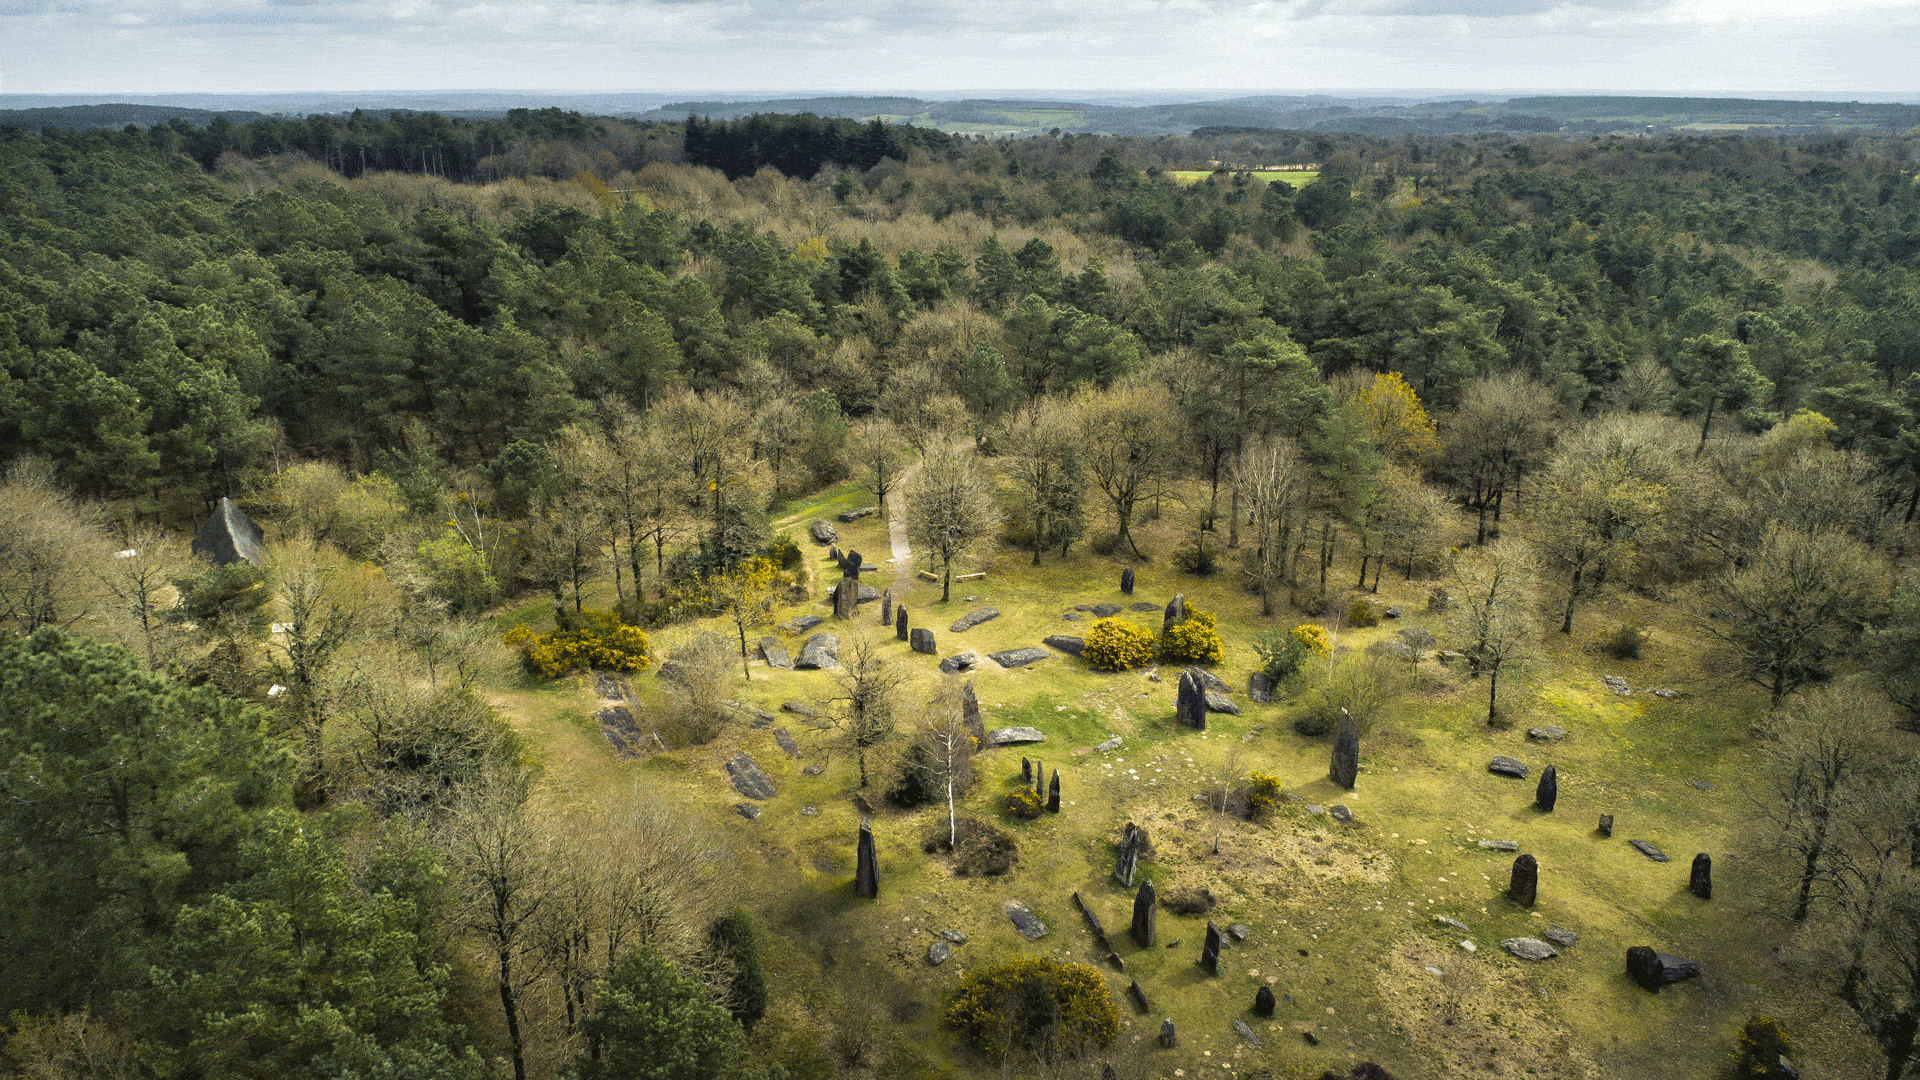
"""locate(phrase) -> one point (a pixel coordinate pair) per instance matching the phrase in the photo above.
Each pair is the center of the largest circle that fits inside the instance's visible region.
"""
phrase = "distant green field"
(1297, 179)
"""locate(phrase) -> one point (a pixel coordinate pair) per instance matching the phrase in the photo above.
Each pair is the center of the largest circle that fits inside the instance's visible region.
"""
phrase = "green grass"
(1359, 900)
(1297, 179)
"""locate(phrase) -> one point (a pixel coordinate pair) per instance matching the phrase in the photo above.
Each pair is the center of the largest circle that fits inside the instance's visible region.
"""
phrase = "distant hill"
(119, 116)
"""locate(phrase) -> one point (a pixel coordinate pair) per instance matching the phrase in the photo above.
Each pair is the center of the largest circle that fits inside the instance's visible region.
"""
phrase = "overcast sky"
(1660, 46)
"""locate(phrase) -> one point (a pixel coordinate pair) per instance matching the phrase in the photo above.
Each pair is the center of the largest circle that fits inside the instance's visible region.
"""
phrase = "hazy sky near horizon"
(1664, 46)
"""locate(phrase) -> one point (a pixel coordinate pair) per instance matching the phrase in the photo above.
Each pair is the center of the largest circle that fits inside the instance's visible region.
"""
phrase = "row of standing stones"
(1199, 692)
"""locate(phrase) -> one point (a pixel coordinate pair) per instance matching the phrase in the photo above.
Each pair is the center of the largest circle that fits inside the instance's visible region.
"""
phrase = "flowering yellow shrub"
(1194, 641)
(593, 639)
(1009, 999)
(1263, 793)
(1315, 637)
(1113, 645)
(1024, 804)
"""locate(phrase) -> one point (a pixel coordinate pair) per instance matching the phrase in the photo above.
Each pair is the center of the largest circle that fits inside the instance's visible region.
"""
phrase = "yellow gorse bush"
(595, 640)
(1113, 645)
(980, 1005)
(1194, 641)
(1315, 637)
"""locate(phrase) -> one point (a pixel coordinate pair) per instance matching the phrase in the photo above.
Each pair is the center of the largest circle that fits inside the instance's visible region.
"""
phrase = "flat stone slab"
(785, 739)
(1500, 845)
(973, 618)
(848, 517)
(1143, 606)
(1507, 766)
(1562, 938)
(821, 651)
(1445, 920)
(815, 769)
(867, 593)
(747, 778)
(616, 723)
(1240, 1028)
(1240, 930)
(1210, 681)
(1111, 744)
(1219, 702)
(799, 708)
(1649, 850)
(1009, 736)
(1529, 948)
(1616, 684)
(1025, 921)
(961, 661)
(1652, 969)
(1105, 611)
(750, 811)
(1013, 658)
(937, 953)
(1066, 643)
(954, 936)
(804, 623)
(822, 532)
(774, 653)
(1313, 808)
(1546, 734)
(759, 718)
(1340, 813)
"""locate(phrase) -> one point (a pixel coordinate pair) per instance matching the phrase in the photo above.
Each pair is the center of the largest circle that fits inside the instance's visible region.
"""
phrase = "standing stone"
(1260, 687)
(886, 607)
(1126, 581)
(921, 639)
(1190, 704)
(1053, 795)
(1606, 824)
(1263, 1002)
(1143, 915)
(1548, 792)
(834, 554)
(1346, 752)
(866, 878)
(1167, 1037)
(846, 599)
(1525, 885)
(970, 712)
(1210, 952)
(900, 622)
(851, 568)
(1176, 612)
(1700, 882)
(1026, 773)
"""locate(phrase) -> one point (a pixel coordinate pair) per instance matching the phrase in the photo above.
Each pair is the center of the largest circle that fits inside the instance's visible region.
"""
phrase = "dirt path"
(897, 532)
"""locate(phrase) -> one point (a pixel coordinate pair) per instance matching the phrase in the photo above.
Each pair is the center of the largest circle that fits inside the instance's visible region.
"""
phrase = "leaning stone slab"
(1066, 643)
(1010, 736)
(1649, 850)
(1562, 938)
(1025, 921)
(747, 778)
(1013, 658)
(973, 618)
(823, 533)
(1218, 702)
(804, 623)
(774, 653)
(1528, 948)
(1507, 766)
(1210, 681)
(820, 651)
(1652, 969)
(785, 739)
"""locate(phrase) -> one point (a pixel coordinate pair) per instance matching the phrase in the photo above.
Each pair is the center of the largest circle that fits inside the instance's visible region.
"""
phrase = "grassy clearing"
(1297, 179)
(1341, 916)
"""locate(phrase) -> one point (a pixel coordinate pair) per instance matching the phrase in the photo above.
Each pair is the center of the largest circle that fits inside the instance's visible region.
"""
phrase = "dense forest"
(555, 374)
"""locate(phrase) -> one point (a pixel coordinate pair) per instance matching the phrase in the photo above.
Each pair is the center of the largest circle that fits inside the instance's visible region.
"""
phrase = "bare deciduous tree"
(950, 508)
(1494, 589)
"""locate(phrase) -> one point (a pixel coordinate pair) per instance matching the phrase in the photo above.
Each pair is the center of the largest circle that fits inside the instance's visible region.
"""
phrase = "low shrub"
(1194, 641)
(1263, 793)
(1438, 599)
(1035, 1005)
(1195, 559)
(981, 851)
(1024, 804)
(784, 552)
(585, 640)
(1113, 645)
(1312, 603)
(1189, 901)
(1283, 655)
(1626, 641)
(1105, 543)
(1763, 1042)
(1362, 613)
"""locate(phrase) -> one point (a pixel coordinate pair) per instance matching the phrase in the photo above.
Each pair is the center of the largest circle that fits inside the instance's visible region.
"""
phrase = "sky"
(1681, 47)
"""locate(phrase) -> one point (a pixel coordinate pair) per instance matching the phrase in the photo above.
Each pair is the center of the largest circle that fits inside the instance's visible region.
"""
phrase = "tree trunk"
(946, 593)
(1811, 870)
(1704, 425)
(746, 672)
(1493, 691)
(512, 1010)
(1573, 594)
(1233, 520)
